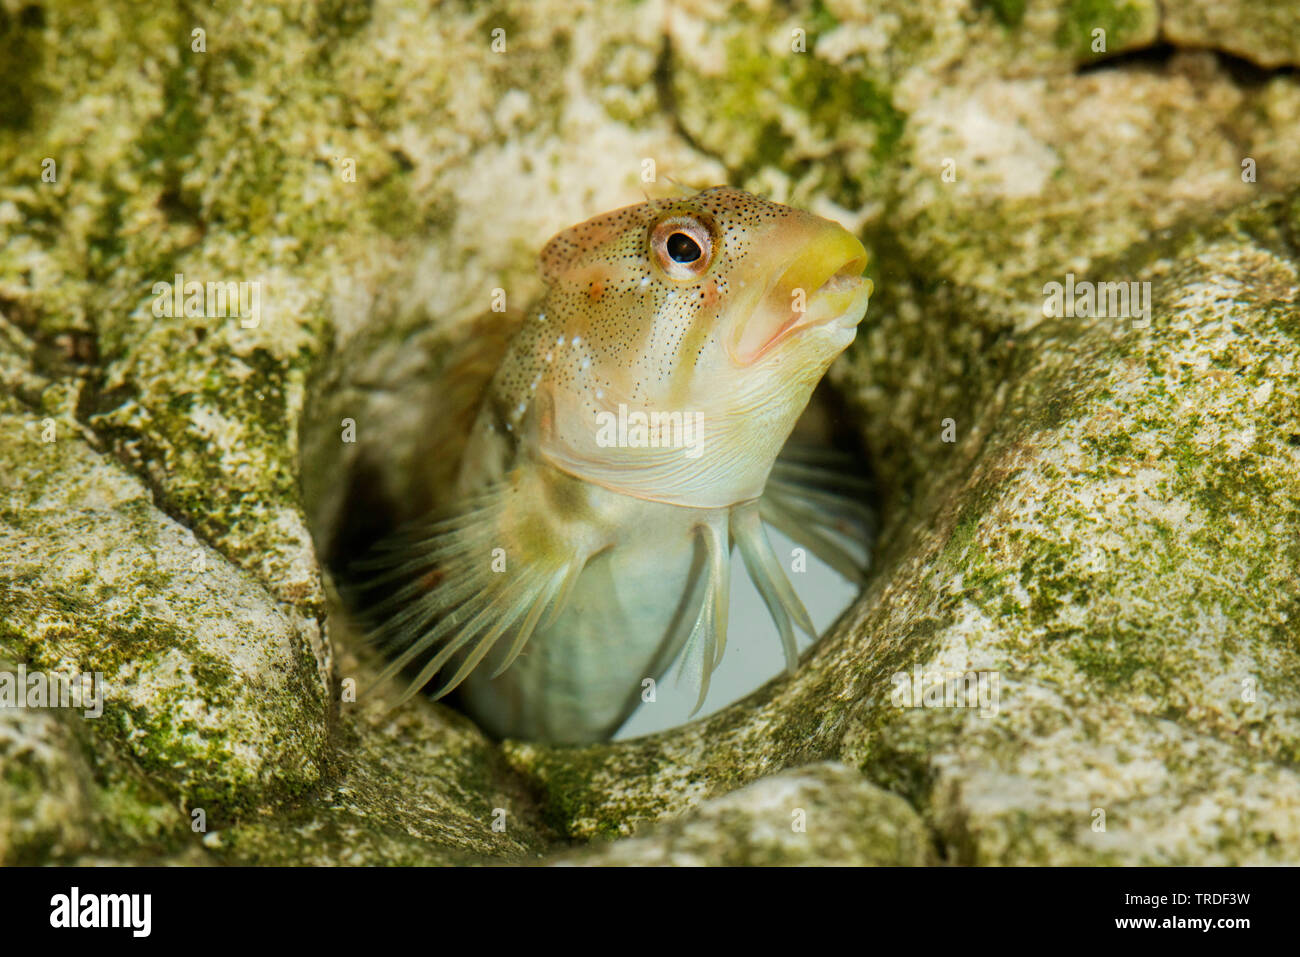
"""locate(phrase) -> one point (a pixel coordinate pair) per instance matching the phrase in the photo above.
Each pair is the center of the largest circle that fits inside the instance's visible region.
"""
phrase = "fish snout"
(823, 283)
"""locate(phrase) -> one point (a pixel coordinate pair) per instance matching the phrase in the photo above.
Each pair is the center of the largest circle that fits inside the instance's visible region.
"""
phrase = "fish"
(630, 437)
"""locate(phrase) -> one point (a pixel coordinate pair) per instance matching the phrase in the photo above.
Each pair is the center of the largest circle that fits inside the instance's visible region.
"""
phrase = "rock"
(66, 799)
(43, 789)
(1264, 34)
(1111, 537)
(1121, 551)
(209, 683)
(822, 814)
(412, 789)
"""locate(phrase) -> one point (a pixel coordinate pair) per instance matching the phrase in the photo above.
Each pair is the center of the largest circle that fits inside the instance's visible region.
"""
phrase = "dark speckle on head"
(638, 296)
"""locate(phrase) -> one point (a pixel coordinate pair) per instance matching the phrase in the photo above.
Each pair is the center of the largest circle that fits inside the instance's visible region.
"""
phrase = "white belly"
(580, 678)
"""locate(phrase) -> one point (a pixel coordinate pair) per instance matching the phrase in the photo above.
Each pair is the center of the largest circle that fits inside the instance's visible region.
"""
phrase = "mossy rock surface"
(1113, 533)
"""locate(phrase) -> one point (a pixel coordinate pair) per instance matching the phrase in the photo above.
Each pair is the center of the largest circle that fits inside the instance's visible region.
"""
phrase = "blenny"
(628, 438)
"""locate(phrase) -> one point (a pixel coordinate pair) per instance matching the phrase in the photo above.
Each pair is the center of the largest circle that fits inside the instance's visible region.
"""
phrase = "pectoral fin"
(813, 497)
(708, 638)
(463, 586)
(765, 569)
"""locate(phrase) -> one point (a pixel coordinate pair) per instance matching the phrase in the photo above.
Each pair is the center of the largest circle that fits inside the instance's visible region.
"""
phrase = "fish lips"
(822, 286)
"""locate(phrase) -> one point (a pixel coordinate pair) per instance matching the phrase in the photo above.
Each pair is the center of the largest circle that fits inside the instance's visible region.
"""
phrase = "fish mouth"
(823, 285)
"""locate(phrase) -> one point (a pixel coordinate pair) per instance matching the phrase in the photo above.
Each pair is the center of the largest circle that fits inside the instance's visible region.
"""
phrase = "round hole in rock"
(379, 448)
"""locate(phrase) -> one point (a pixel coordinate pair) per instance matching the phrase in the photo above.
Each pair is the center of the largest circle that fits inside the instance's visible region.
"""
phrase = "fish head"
(720, 309)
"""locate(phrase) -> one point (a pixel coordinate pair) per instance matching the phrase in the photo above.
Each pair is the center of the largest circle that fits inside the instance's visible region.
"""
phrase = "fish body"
(626, 441)
(624, 620)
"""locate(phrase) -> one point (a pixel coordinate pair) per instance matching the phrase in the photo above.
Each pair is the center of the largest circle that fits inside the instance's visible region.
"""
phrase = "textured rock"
(66, 799)
(1264, 34)
(1112, 536)
(43, 789)
(208, 682)
(1122, 552)
(822, 814)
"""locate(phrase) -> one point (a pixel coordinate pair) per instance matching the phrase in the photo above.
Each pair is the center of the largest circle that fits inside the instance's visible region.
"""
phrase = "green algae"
(1118, 18)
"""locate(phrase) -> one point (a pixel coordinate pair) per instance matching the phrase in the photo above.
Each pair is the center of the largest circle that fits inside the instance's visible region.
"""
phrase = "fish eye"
(683, 249)
(682, 246)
